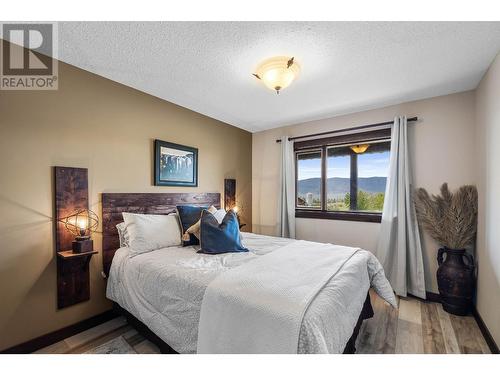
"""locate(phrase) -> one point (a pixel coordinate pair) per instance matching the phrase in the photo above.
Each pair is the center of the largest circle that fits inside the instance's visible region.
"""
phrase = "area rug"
(115, 346)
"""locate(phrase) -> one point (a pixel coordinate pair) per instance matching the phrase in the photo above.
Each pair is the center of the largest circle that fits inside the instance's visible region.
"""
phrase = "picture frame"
(175, 164)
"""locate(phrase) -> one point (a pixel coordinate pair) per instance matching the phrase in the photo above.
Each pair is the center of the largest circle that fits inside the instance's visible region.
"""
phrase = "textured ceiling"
(346, 66)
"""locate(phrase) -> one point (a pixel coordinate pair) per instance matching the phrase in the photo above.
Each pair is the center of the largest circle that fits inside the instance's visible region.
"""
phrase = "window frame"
(321, 190)
(323, 144)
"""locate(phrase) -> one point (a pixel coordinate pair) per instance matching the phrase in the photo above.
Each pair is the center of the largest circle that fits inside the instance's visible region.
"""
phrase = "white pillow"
(151, 232)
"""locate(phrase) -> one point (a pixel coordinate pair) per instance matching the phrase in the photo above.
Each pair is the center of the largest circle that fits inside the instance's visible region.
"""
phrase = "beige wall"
(442, 146)
(108, 128)
(488, 168)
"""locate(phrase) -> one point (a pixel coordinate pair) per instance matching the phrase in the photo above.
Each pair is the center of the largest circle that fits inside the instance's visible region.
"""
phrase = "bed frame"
(113, 204)
(143, 329)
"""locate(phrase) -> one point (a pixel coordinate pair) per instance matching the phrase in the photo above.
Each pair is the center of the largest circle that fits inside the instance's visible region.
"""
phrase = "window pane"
(338, 179)
(309, 179)
(373, 168)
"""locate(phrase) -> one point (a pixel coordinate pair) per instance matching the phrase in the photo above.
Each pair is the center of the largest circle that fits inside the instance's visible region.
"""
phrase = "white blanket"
(165, 288)
(259, 307)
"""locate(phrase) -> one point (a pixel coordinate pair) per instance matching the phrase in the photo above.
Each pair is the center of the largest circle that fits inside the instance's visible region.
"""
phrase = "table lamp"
(81, 223)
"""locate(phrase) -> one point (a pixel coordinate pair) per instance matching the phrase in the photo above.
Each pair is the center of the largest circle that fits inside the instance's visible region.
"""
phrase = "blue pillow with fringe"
(220, 238)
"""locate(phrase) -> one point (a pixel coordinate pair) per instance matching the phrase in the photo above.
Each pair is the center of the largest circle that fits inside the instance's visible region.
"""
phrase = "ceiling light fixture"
(278, 72)
(359, 149)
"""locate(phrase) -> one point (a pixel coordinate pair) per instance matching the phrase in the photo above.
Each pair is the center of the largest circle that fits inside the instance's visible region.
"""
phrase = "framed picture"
(175, 165)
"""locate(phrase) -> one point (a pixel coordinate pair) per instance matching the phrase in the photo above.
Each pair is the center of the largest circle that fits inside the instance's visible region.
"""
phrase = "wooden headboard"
(113, 204)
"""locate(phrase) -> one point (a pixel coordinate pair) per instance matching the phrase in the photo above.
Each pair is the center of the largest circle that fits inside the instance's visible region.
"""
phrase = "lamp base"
(82, 246)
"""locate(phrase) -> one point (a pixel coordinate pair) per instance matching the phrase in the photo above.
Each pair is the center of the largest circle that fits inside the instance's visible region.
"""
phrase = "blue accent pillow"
(220, 238)
(188, 215)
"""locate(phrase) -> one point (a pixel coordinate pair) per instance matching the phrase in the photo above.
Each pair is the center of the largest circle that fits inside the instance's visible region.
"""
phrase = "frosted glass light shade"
(277, 73)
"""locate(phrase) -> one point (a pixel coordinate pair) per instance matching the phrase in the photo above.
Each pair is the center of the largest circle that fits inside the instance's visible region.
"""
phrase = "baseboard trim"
(429, 297)
(61, 334)
(485, 331)
(433, 297)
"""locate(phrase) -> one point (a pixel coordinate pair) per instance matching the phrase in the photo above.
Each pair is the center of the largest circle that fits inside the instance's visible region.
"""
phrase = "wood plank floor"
(416, 327)
(99, 335)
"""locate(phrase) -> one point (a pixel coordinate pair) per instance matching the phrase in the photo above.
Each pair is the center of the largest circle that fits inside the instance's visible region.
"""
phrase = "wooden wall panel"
(71, 193)
(229, 193)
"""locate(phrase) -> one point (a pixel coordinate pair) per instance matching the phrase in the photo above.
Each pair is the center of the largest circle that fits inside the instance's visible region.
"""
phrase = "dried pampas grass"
(450, 218)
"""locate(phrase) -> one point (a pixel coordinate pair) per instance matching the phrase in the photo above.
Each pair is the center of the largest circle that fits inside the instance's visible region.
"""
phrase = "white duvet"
(165, 289)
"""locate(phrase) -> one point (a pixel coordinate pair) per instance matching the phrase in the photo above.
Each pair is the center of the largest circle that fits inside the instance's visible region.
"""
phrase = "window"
(343, 177)
(309, 175)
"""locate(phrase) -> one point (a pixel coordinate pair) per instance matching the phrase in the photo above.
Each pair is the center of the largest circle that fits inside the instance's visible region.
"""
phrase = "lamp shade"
(359, 149)
(278, 72)
(81, 222)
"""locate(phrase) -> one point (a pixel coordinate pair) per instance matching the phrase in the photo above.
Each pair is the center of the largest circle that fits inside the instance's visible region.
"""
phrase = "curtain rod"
(346, 129)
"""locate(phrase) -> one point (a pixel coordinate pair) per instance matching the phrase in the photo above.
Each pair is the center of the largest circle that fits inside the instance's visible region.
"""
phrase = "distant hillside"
(338, 186)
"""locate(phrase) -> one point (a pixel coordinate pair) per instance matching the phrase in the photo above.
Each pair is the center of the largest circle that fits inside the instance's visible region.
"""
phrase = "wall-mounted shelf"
(69, 254)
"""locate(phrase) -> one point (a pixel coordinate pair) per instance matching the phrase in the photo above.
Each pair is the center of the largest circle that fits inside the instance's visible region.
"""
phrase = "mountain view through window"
(362, 175)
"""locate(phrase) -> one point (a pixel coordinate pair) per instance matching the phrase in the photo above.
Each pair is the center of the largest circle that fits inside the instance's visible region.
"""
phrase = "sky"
(369, 165)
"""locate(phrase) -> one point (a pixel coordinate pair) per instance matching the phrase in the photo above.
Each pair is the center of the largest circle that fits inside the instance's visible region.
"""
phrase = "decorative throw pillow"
(220, 238)
(151, 232)
(195, 228)
(189, 215)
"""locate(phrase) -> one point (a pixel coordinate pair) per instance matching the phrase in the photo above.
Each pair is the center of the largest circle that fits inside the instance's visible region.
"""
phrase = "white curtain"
(399, 249)
(286, 206)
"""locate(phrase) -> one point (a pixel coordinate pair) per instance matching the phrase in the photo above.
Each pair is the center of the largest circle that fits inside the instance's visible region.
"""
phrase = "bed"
(162, 292)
